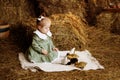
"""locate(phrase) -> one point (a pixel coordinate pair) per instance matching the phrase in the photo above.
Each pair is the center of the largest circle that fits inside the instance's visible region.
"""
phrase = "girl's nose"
(48, 29)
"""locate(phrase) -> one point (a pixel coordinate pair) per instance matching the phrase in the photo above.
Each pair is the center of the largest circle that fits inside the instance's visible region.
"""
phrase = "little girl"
(42, 48)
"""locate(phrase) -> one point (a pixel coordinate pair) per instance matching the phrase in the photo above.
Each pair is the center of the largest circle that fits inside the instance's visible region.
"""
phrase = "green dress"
(34, 51)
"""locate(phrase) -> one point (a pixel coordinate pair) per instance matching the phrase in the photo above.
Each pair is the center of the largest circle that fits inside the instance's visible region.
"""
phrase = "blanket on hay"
(59, 64)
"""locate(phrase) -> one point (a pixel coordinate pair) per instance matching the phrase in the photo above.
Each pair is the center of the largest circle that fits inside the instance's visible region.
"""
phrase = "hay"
(100, 39)
(23, 12)
(52, 7)
(104, 21)
(68, 31)
(109, 22)
(14, 11)
(115, 27)
(94, 8)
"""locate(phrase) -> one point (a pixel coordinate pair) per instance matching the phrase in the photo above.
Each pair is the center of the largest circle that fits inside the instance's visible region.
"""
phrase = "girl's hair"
(43, 20)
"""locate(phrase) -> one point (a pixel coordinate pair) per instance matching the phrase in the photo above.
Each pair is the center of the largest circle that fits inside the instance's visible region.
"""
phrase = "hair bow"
(40, 18)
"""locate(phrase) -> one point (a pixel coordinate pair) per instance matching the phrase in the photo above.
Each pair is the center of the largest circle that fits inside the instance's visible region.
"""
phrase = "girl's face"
(45, 28)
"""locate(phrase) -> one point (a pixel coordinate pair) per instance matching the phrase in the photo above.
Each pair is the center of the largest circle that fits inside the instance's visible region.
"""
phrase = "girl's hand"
(44, 52)
(55, 49)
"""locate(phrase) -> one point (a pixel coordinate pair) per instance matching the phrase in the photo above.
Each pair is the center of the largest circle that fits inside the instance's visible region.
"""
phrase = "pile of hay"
(14, 11)
(68, 31)
(107, 26)
(107, 30)
(104, 21)
(52, 7)
(109, 22)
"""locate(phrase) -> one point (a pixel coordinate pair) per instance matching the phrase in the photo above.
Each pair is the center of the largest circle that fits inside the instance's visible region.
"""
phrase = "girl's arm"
(36, 45)
(54, 48)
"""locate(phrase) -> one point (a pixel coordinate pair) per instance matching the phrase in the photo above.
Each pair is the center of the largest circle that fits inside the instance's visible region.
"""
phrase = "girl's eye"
(47, 28)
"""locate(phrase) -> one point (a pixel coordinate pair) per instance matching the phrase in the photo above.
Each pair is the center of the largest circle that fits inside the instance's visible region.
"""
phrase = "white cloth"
(41, 35)
(59, 63)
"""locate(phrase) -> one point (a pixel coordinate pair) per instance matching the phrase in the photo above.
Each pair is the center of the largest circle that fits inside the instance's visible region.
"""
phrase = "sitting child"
(42, 48)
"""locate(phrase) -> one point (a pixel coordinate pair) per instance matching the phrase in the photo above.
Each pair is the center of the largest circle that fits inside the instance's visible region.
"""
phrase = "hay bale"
(62, 6)
(14, 11)
(99, 38)
(68, 31)
(109, 22)
(104, 21)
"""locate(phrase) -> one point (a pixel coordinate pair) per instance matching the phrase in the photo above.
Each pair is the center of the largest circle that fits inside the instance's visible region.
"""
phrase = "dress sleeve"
(36, 45)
